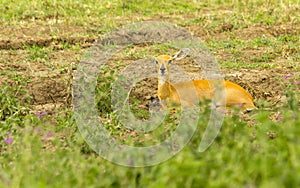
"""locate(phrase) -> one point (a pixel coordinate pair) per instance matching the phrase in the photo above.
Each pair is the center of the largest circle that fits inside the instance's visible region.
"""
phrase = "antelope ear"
(182, 53)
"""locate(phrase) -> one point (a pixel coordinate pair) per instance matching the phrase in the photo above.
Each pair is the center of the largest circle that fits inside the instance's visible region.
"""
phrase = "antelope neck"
(164, 83)
(163, 79)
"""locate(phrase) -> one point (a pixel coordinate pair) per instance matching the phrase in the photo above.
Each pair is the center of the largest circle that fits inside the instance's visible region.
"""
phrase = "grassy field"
(255, 42)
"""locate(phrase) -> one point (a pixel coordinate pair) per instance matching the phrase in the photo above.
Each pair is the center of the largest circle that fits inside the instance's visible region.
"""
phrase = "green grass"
(47, 150)
(240, 156)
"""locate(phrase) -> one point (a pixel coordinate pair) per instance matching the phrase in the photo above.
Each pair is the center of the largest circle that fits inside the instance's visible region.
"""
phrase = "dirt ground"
(51, 89)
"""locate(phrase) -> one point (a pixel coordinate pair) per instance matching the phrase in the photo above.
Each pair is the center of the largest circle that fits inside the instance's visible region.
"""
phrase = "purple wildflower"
(297, 82)
(241, 105)
(9, 140)
(38, 129)
(41, 114)
(286, 76)
(48, 135)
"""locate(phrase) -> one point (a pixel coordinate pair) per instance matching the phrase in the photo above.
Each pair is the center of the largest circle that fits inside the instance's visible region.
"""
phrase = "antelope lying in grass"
(192, 92)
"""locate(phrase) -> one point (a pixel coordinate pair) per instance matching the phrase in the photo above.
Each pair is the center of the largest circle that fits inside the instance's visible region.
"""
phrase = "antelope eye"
(169, 61)
(155, 61)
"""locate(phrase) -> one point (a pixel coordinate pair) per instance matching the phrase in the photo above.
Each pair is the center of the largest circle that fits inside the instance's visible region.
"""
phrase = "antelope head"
(163, 64)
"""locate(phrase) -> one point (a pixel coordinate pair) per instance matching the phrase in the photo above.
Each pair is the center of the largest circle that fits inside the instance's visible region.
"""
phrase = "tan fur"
(194, 91)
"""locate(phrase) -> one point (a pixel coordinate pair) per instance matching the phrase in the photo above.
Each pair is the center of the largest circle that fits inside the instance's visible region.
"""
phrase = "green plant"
(103, 90)
(14, 100)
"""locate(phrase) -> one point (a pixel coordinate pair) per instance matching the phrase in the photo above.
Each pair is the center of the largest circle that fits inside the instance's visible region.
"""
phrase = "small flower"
(297, 82)
(9, 140)
(38, 129)
(286, 76)
(241, 105)
(48, 135)
(41, 114)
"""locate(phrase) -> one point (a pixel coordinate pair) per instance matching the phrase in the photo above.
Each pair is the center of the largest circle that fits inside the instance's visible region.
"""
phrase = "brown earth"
(50, 87)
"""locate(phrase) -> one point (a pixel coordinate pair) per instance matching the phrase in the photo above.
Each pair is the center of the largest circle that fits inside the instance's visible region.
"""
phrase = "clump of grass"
(103, 90)
(14, 100)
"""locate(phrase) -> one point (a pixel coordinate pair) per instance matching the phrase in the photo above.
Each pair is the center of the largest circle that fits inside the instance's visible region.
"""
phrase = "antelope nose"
(162, 69)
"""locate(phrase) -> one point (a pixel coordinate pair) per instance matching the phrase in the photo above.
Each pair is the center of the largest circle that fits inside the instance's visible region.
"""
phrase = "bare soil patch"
(227, 30)
(50, 89)
(17, 37)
